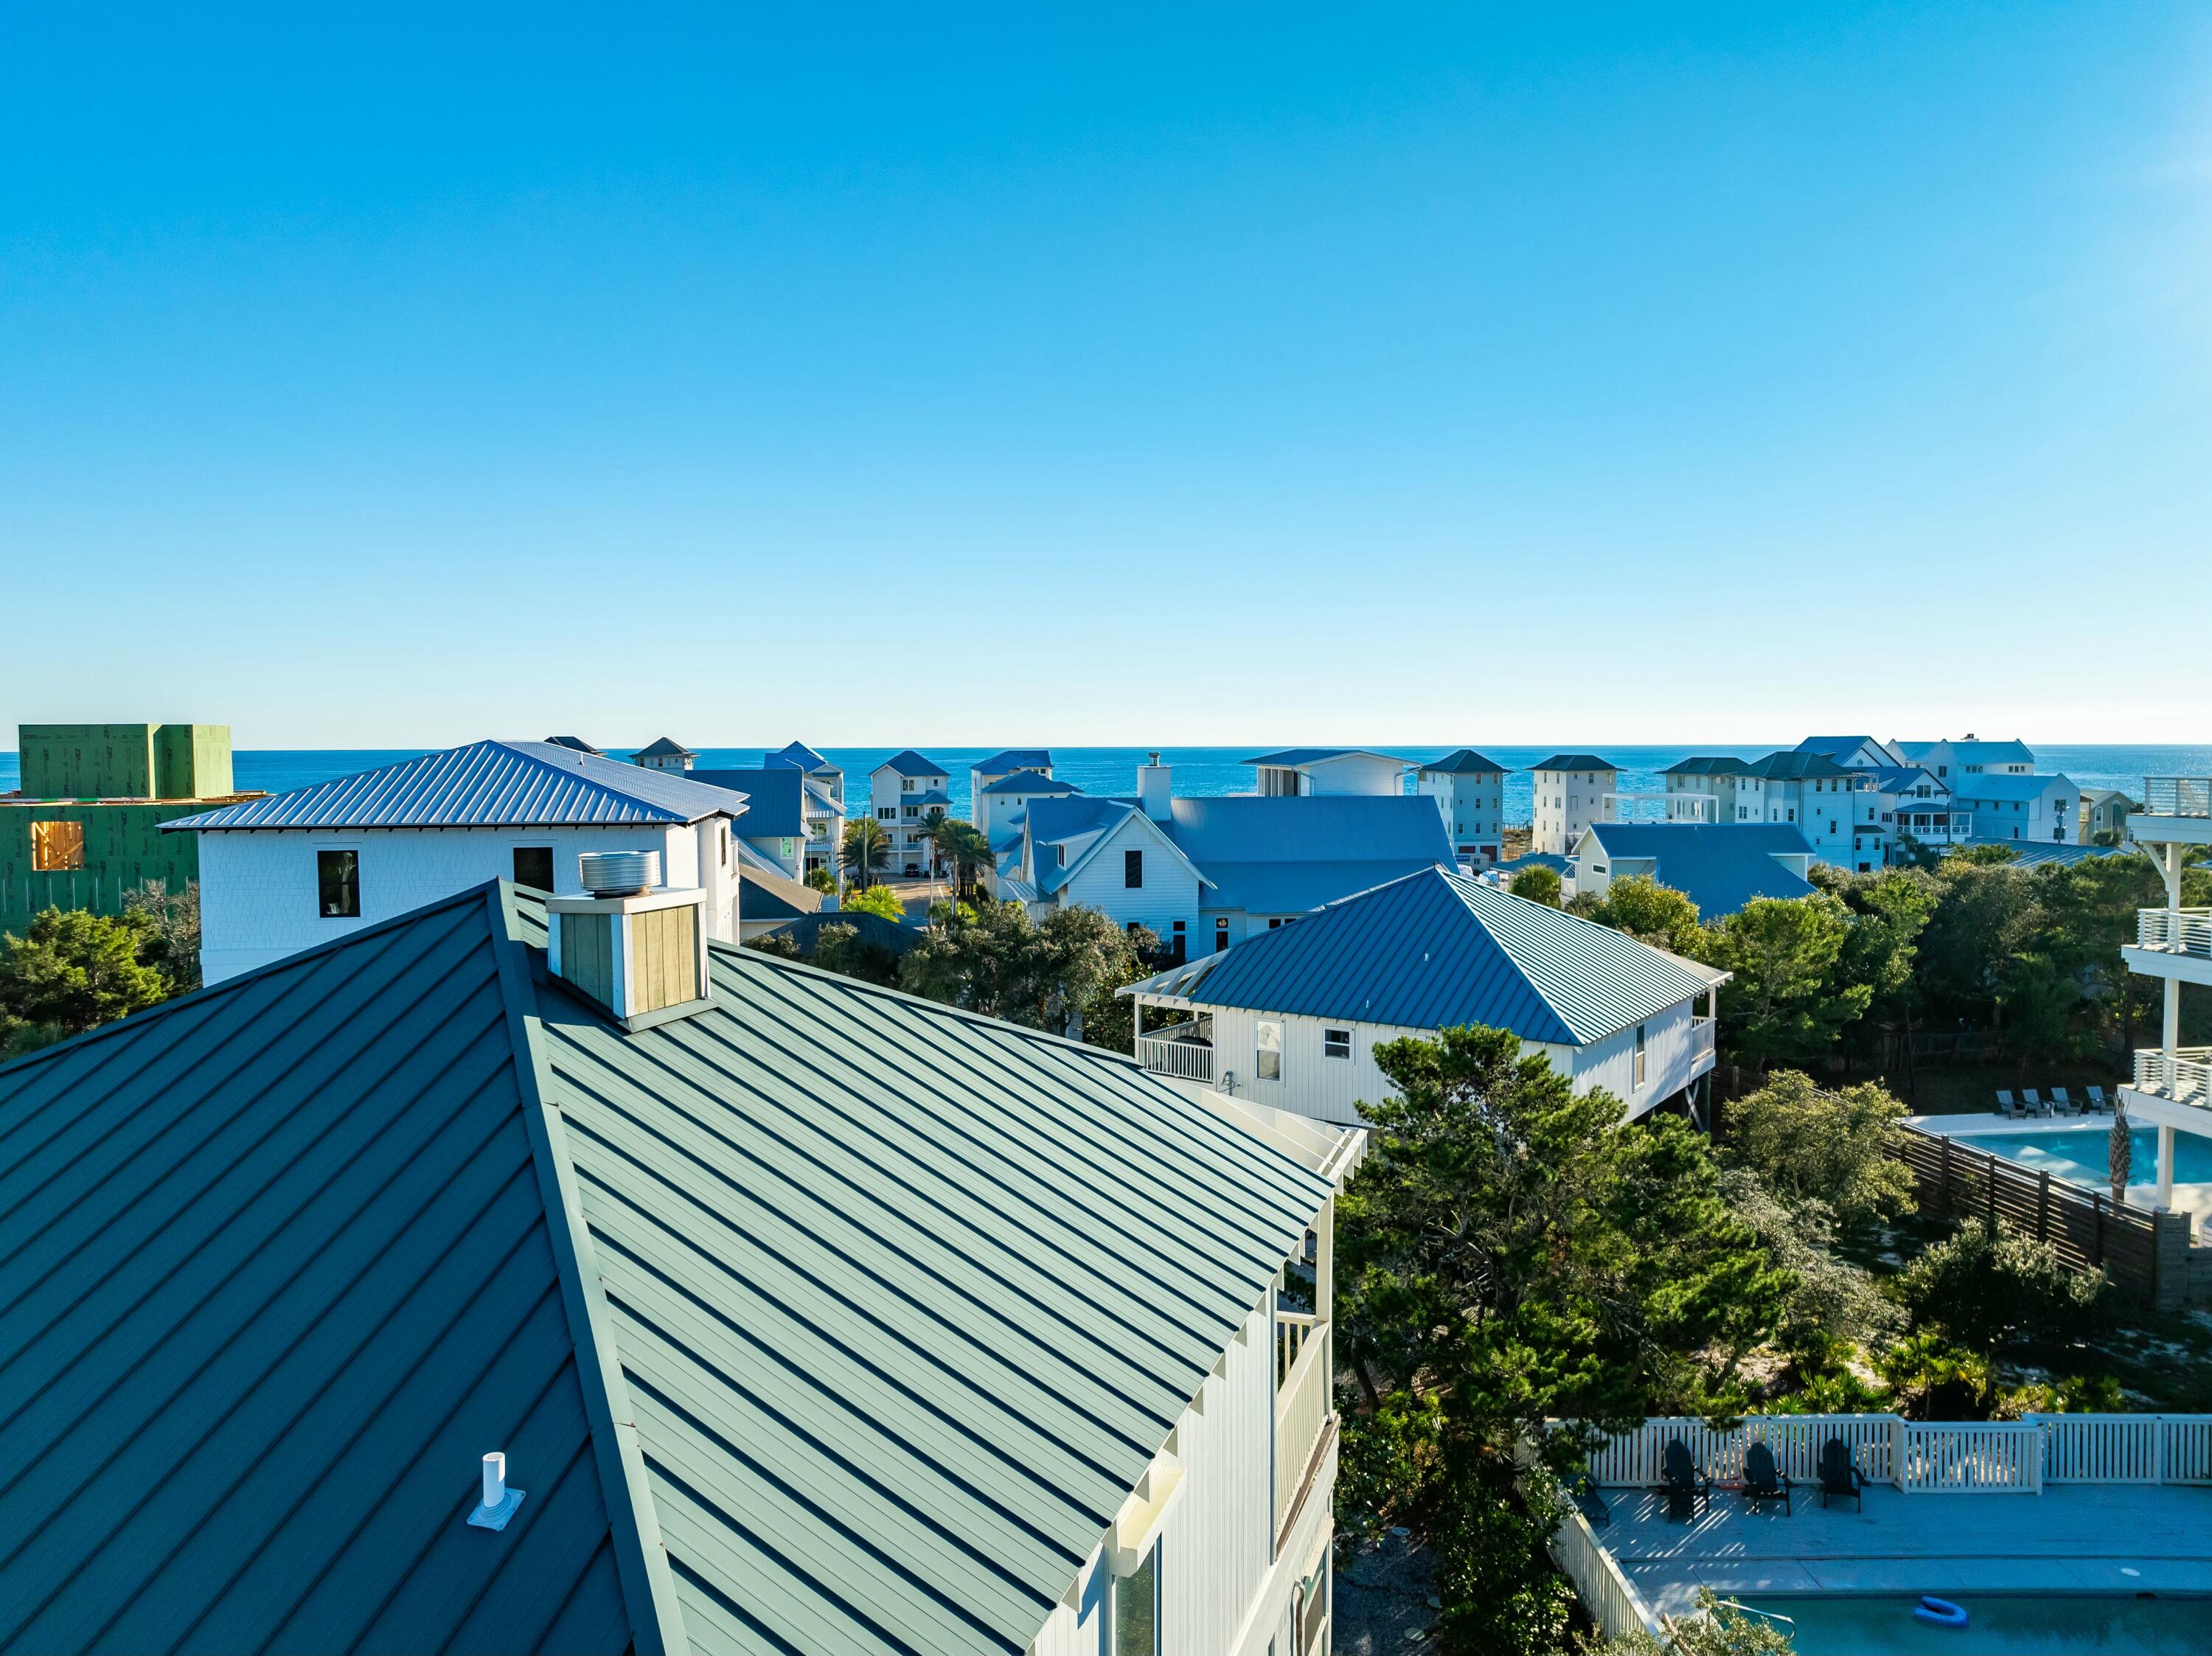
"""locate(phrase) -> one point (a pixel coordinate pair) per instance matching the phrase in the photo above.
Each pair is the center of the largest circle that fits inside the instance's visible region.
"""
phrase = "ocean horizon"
(1214, 771)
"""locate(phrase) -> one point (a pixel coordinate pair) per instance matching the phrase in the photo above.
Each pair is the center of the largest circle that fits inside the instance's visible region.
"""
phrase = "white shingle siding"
(259, 900)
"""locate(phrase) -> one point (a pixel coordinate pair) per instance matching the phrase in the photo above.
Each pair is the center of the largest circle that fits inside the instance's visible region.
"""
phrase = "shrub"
(1538, 883)
(1809, 1145)
(1933, 1378)
(1989, 1290)
(878, 899)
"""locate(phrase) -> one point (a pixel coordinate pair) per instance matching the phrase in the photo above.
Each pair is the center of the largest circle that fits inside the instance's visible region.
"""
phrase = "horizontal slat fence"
(1927, 1457)
(2144, 1253)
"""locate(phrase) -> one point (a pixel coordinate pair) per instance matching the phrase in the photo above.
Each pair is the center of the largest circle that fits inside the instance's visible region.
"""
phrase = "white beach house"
(289, 870)
(2172, 1084)
(1318, 771)
(1289, 1019)
(1469, 791)
(791, 821)
(1719, 866)
(1569, 795)
(1000, 790)
(903, 793)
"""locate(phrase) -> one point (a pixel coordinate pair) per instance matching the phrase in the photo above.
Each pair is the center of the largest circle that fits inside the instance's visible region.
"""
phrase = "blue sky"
(383, 376)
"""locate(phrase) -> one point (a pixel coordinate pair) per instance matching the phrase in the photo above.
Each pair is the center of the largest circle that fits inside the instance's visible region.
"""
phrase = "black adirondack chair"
(1762, 1479)
(1686, 1486)
(1838, 1476)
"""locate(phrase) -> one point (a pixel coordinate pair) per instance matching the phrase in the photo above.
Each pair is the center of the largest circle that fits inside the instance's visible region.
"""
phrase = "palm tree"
(966, 850)
(867, 849)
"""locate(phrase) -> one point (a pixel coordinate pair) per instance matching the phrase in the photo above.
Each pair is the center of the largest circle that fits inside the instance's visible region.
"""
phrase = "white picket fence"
(1610, 1597)
(1929, 1457)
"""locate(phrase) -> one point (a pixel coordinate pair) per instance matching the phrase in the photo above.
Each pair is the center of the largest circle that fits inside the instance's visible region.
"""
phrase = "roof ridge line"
(656, 1614)
(518, 749)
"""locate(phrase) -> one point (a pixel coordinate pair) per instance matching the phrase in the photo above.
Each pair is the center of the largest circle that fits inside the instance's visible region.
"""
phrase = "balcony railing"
(2175, 930)
(1304, 1377)
(2178, 796)
(1179, 1050)
(1701, 1040)
(2185, 1076)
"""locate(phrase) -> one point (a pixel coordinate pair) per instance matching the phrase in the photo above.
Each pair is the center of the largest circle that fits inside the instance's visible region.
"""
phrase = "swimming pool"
(1851, 1624)
(2079, 1154)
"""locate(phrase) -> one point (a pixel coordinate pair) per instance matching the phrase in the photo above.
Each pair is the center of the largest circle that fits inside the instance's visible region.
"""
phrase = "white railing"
(2185, 1076)
(1929, 1457)
(2178, 796)
(1172, 1052)
(2175, 930)
(2126, 1448)
(1303, 1405)
(1701, 1040)
(1610, 1597)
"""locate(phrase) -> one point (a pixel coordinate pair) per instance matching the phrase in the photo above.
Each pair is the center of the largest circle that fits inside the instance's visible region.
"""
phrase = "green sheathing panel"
(124, 848)
(904, 1300)
(275, 1271)
(192, 762)
(87, 761)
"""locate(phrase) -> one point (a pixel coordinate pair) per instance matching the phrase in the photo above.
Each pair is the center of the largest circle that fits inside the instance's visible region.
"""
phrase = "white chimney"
(626, 943)
(1155, 788)
(499, 1501)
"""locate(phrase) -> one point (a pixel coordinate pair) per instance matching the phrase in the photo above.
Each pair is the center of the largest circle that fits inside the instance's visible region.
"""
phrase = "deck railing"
(2184, 1076)
(1177, 1051)
(2178, 796)
(1992, 1457)
(1302, 1405)
(1701, 1039)
(1615, 1605)
(2175, 930)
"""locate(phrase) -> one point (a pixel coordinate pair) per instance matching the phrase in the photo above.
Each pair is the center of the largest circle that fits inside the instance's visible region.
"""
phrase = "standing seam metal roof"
(483, 784)
(1435, 949)
(891, 1370)
(1464, 761)
(1574, 761)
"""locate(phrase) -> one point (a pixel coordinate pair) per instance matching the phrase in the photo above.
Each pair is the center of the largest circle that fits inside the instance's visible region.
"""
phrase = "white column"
(2165, 1167)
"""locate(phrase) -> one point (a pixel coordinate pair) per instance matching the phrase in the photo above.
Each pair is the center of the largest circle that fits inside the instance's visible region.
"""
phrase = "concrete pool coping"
(2188, 1198)
(2071, 1538)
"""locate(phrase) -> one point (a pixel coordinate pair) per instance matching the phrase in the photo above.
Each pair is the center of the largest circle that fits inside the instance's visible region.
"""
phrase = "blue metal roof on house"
(1015, 759)
(934, 797)
(907, 762)
(1291, 758)
(1434, 950)
(1971, 752)
(1285, 856)
(1705, 764)
(1989, 786)
(1837, 746)
(824, 1318)
(2034, 853)
(774, 800)
(1574, 761)
(664, 748)
(483, 784)
(1790, 765)
(1896, 778)
(1463, 761)
(1719, 866)
(1029, 782)
(799, 754)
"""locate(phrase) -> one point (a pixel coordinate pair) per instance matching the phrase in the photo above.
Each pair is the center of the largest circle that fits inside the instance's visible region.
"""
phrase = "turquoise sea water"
(1217, 770)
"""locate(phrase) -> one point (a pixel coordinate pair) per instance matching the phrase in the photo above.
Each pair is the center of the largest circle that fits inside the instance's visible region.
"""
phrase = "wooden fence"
(2146, 1254)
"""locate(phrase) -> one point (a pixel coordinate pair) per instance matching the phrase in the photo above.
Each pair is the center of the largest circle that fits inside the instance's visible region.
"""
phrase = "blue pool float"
(1938, 1612)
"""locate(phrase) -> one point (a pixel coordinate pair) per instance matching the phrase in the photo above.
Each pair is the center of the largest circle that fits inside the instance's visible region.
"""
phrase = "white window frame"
(1336, 1043)
(1266, 1043)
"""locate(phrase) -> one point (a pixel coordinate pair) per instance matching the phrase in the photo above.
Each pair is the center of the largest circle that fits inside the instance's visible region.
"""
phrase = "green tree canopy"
(1048, 976)
(1809, 1145)
(1786, 1001)
(1538, 883)
(866, 850)
(878, 899)
(70, 972)
(1651, 912)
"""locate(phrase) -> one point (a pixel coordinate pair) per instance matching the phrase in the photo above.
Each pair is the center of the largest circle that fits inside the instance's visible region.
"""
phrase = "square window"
(1336, 1043)
(337, 884)
(1267, 1060)
(56, 847)
(533, 867)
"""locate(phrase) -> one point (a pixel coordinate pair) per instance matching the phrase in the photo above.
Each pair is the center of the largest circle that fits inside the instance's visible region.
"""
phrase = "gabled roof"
(1463, 761)
(823, 1319)
(1029, 782)
(1997, 785)
(766, 895)
(575, 742)
(1293, 758)
(1969, 751)
(1797, 766)
(799, 754)
(1839, 748)
(1015, 759)
(1708, 764)
(1285, 856)
(1574, 761)
(1434, 950)
(1719, 866)
(774, 800)
(483, 784)
(1896, 778)
(934, 797)
(1077, 825)
(663, 748)
(907, 762)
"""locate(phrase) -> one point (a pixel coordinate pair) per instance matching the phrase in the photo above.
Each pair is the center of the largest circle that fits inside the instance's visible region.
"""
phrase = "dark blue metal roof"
(1029, 782)
(907, 762)
(1463, 761)
(1015, 759)
(1719, 866)
(1574, 761)
(1435, 949)
(483, 784)
(775, 797)
(1293, 757)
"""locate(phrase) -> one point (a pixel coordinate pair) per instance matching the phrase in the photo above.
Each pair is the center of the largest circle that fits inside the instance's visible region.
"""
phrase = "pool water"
(1848, 1624)
(2080, 1154)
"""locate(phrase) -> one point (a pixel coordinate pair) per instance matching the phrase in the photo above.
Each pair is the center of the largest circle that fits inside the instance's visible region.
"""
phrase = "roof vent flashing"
(499, 1501)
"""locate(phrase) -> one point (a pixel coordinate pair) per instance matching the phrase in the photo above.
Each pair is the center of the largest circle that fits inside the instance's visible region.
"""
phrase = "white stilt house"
(2172, 1087)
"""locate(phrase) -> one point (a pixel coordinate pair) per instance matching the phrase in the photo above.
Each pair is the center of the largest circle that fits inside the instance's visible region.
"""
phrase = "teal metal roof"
(1704, 764)
(1797, 765)
(788, 1315)
(1719, 866)
(1574, 761)
(1463, 761)
(1435, 949)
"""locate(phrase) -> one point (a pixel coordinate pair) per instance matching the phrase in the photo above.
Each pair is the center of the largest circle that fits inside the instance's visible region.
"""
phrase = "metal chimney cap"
(618, 873)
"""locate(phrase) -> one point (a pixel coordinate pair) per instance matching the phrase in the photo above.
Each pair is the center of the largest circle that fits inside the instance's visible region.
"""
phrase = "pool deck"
(2070, 1538)
(2191, 1198)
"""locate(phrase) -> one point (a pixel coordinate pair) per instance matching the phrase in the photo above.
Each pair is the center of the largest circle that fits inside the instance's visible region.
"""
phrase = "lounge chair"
(1838, 1476)
(2034, 1102)
(1686, 1486)
(2008, 1108)
(1762, 1478)
(2061, 1103)
(2097, 1103)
